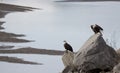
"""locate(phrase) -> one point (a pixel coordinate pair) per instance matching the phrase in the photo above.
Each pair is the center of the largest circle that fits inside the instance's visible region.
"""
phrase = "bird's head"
(95, 24)
(91, 26)
(65, 41)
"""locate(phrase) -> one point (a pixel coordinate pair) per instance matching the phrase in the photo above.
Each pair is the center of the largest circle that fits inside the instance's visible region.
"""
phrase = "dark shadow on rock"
(29, 50)
(17, 60)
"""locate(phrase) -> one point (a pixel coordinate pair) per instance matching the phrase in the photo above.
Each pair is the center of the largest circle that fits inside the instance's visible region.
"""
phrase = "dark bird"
(96, 28)
(68, 46)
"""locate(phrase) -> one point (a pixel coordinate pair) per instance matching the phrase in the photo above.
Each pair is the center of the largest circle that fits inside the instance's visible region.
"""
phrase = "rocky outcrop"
(94, 56)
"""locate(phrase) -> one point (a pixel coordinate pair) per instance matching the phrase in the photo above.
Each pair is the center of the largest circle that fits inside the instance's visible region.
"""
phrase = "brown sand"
(14, 8)
(17, 60)
(29, 50)
(11, 37)
(3, 47)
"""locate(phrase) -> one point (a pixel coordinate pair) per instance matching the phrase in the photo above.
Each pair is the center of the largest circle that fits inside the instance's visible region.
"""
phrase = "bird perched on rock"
(68, 46)
(96, 28)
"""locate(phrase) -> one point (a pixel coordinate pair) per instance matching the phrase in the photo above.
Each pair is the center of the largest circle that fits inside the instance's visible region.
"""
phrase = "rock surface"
(94, 56)
(68, 58)
(116, 69)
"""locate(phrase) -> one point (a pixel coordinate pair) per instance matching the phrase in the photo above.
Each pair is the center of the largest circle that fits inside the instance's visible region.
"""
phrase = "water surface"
(58, 21)
(51, 64)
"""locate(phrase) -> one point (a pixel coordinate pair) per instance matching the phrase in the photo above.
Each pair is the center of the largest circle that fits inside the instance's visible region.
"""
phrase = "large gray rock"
(95, 54)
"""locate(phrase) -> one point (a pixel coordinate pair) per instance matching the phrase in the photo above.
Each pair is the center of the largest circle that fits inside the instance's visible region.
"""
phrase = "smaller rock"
(68, 58)
(116, 69)
(68, 61)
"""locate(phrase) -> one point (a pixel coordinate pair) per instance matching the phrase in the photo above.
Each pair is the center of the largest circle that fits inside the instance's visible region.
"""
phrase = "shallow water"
(51, 64)
(60, 21)
(53, 24)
